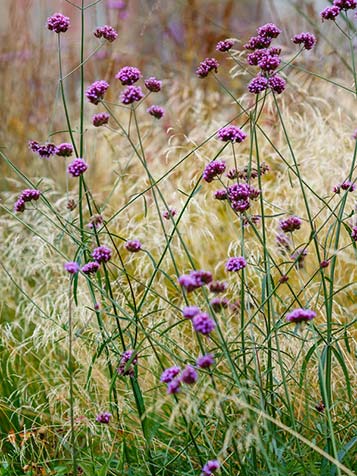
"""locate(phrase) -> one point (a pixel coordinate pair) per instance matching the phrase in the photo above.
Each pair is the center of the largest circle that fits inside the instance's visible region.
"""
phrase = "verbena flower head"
(45, 151)
(131, 94)
(152, 84)
(156, 111)
(345, 4)
(231, 133)
(347, 185)
(256, 56)
(103, 417)
(127, 363)
(220, 194)
(224, 45)
(189, 312)
(269, 30)
(239, 191)
(325, 263)
(96, 221)
(29, 194)
(90, 268)
(133, 246)
(308, 40)
(169, 374)
(58, 23)
(240, 205)
(174, 386)
(189, 375)
(195, 280)
(210, 467)
(258, 84)
(128, 75)
(170, 213)
(299, 256)
(214, 168)
(19, 205)
(203, 323)
(206, 66)
(277, 84)
(64, 150)
(236, 263)
(290, 224)
(107, 32)
(71, 267)
(205, 361)
(100, 119)
(354, 233)
(77, 167)
(258, 42)
(201, 277)
(300, 315)
(102, 254)
(218, 287)
(268, 62)
(95, 92)
(219, 303)
(330, 13)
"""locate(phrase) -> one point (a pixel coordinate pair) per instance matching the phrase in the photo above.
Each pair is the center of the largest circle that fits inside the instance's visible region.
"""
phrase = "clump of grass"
(98, 277)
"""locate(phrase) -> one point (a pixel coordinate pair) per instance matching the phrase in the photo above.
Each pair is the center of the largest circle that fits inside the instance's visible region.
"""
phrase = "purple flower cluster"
(100, 119)
(290, 224)
(205, 361)
(239, 195)
(71, 267)
(345, 4)
(156, 111)
(45, 151)
(231, 133)
(308, 40)
(206, 66)
(26, 196)
(354, 233)
(64, 150)
(214, 168)
(95, 92)
(195, 280)
(170, 213)
(58, 23)
(171, 376)
(265, 35)
(330, 13)
(300, 315)
(224, 45)
(236, 263)
(152, 84)
(347, 185)
(127, 363)
(107, 32)
(102, 254)
(77, 167)
(218, 287)
(203, 323)
(269, 30)
(131, 94)
(90, 268)
(210, 467)
(133, 246)
(218, 303)
(103, 418)
(128, 75)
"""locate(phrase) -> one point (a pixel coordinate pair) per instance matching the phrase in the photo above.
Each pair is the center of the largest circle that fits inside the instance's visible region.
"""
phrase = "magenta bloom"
(214, 168)
(203, 323)
(58, 23)
(90, 268)
(169, 374)
(64, 150)
(201, 277)
(95, 92)
(290, 224)
(308, 40)
(71, 267)
(231, 133)
(258, 84)
(240, 205)
(224, 45)
(218, 287)
(258, 42)
(220, 194)
(236, 263)
(210, 467)
(347, 185)
(102, 254)
(354, 233)
(156, 111)
(195, 280)
(103, 417)
(189, 375)
(269, 30)
(127, 363)
(107, 32)
(19, 205)
(269, 62)
(218, 303)
(170, 213)
(189, 312)
(133, 246)
(300, 315)
(100, 119)
(77, 167)
(29, 194)
(154, 85)
(206, 66)
(128, 75)
(205, 361)
(277, 84)
(330, 13)
(45, 151)
(174, 386)
(131, 94)
(345, 4)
